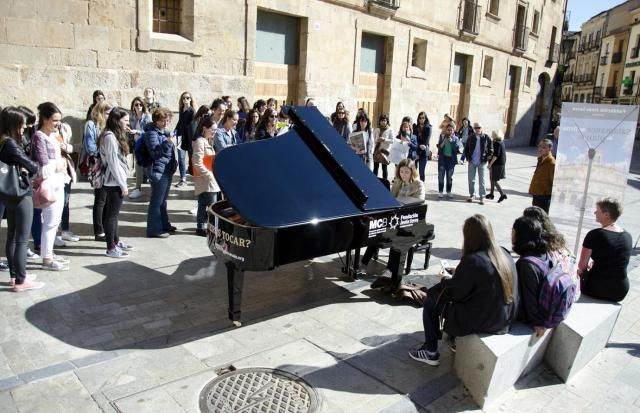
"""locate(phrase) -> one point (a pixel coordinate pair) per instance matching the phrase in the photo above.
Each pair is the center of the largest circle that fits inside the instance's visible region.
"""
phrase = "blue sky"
(582, 10)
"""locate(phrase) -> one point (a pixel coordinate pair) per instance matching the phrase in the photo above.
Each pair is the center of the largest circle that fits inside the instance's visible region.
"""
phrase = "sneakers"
(440, 195)
(449, 195)
(160, 235)
(70, 236)
(4, 266)
(124, 246)
(502, 198)
(54, 266)
(32, 256)
(422, 355)
(116, 253)
(193, 211)
(28, 285)
(171, 228)
(183, 182)
(135, 194)
(59, 242)
(60, 259)
(29, 277)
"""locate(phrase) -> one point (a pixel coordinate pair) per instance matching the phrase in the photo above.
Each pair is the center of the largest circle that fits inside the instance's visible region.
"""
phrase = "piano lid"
(306, 174)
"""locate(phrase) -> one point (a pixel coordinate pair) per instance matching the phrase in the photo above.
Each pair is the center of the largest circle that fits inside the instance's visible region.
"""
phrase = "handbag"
(380, 155)
(13, 184)
(43, 193)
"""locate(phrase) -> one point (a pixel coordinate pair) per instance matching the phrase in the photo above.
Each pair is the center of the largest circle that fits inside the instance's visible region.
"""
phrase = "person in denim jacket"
(448, 146)
(161, 149)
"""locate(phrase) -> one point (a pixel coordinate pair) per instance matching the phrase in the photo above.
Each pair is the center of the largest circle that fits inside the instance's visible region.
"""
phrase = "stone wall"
(61, 50)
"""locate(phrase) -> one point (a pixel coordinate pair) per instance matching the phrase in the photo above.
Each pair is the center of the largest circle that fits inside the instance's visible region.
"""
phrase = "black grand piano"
(301, 195)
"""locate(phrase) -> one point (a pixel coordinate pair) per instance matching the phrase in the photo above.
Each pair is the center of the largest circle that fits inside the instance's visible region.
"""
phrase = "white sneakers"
(135, 194)
(70, 236)
(59, 242)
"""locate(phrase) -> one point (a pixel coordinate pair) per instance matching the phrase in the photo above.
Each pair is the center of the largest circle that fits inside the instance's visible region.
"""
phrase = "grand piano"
(301, 195)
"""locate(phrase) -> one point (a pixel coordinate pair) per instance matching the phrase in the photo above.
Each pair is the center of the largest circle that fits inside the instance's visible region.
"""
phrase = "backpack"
(96, 171)
(557, 293)
(143, 158)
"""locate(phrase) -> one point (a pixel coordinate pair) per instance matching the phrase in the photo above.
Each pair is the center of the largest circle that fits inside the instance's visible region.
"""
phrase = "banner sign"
(594, 152)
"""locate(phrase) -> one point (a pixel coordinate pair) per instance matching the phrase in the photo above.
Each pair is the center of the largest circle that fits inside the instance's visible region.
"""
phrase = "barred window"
(167, 16)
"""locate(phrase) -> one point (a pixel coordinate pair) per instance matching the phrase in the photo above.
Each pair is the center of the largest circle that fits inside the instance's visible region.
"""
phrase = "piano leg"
(396, 258)
(235, 282)
(352, 264)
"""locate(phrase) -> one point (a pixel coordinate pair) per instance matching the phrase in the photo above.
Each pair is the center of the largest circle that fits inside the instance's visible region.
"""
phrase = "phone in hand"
(444, 264)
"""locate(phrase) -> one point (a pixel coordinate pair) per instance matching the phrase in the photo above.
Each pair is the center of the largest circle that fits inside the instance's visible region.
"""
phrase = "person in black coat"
(19, 211)
(529, 241)
(497, 165)
(186, 106)
(480, 297)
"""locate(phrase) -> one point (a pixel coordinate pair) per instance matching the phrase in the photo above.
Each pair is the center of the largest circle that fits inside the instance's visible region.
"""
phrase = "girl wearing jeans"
(46, 151)
(19, 211)
(113, 153)
(206, 187)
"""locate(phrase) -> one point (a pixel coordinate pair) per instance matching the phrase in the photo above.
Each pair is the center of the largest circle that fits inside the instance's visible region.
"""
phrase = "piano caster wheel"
(237, 323)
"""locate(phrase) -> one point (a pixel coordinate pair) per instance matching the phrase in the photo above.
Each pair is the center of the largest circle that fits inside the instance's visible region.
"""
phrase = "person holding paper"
(205, 186)
(361, 140)
(407, 138)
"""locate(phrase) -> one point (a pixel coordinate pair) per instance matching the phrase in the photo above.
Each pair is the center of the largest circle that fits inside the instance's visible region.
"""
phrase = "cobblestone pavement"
(147, 333)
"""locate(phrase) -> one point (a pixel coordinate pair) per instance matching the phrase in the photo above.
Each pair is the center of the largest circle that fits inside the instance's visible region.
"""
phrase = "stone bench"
(579, 338)
(489, 365)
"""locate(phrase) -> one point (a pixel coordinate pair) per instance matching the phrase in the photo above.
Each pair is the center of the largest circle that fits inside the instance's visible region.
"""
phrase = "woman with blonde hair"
(407, 184)
(479, 296)
(497, 165)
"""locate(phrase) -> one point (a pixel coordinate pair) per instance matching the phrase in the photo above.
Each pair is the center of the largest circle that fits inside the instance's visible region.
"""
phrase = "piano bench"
(424, 244)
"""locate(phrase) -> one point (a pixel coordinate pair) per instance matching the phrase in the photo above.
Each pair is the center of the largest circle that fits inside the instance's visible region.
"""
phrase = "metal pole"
(592, 154)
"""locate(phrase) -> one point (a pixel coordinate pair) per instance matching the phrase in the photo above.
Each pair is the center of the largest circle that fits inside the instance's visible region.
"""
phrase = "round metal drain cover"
(258, 390)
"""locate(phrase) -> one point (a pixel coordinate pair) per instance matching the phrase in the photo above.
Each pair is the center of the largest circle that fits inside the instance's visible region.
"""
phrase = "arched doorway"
(543, 101)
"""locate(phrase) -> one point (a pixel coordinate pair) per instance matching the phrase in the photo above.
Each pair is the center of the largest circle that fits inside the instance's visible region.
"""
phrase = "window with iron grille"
(167, 16)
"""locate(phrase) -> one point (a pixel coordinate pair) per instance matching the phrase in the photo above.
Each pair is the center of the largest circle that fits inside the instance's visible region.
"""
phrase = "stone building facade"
(490, 60)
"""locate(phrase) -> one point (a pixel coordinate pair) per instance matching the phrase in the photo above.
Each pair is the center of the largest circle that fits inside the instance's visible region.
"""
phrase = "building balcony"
(634, 52)
(610, 92)
(616, 57)
(469, 18)
(604, 59)
(383, 8)
(595, 44)
(597, 91)
(584, 78)
(554, 53)
(521, 38)
(627, 91)
(567, 78)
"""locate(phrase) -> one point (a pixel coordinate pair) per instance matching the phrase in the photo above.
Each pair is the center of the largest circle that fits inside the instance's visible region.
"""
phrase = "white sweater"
(114, 161)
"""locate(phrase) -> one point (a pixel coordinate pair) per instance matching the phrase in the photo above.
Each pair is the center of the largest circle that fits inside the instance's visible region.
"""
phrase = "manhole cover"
(258, 390)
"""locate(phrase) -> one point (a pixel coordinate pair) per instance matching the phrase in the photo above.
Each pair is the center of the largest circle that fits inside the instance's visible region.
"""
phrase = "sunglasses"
(340, 113)
(186, 98)
(273, 116)
(137, 104)
(477, 127)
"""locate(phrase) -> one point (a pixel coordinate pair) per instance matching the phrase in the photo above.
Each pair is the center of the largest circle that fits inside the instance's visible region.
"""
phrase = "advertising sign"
(594, 152)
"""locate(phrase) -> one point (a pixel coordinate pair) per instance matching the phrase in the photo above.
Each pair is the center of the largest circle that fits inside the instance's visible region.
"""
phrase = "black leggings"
(19, 216)
(99, 211)
(113, 198)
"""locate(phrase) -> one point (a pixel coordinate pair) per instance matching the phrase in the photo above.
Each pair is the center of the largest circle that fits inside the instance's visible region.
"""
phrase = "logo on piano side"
(394, 222)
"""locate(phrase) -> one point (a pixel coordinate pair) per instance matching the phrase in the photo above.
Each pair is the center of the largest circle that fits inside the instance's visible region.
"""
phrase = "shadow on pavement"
(140, 307)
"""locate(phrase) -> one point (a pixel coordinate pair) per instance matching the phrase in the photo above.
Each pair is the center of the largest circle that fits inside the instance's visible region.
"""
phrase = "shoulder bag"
(13, 184)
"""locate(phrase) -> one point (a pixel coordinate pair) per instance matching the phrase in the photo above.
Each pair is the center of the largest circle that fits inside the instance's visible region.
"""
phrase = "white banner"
(594, 153)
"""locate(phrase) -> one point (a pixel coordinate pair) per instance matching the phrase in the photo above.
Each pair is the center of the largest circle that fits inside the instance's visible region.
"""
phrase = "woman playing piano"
(407, 184)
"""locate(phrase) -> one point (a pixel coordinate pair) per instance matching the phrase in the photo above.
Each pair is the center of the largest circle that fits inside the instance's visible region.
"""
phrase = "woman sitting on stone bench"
(605, 255)
(480, 297)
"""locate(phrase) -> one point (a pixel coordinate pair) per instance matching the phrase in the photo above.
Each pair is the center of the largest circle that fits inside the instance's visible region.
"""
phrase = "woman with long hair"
(248, 131)
(113, 153)
(407, 184)
(422, 131)
(46, 151)
(186, 109)
(266, 126)
(464, 133)
(479, 296)
(497, 165)
(98, 96)
(139, 117)
(226, 135)
(243, 107)
(92, 130)
(340, 121)
(19, 211)
(363, 124)
(407, 138)
(205, 186)
(382, 138)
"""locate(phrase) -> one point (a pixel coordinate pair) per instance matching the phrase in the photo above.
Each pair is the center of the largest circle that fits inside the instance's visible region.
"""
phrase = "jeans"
(51, 216)
(446, 165)
(99, 200)
(421, 164)
(19, 216)
(113, 197)
(204, 200)
(542, 201)
(385, 173)
(36, 227)
(157, 217)
(64, 223)
(430, 323)
(182, 163)
(472, 178)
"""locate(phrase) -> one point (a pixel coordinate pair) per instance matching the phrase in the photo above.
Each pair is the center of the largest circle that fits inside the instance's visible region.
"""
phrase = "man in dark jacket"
(161, 149)
(478, 150)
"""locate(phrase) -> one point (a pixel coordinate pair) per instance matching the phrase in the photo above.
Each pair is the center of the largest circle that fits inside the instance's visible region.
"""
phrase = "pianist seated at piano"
(406, 183)
(479, 296)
